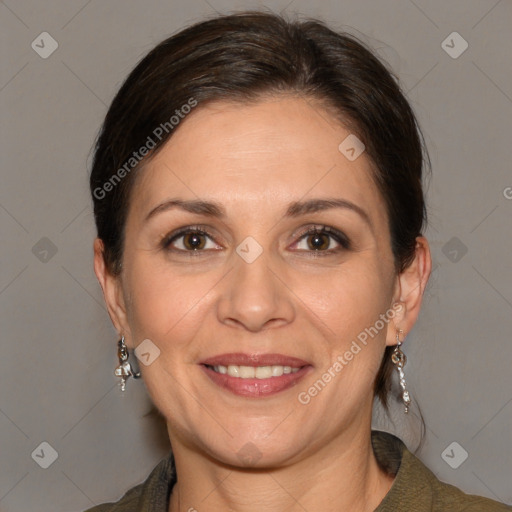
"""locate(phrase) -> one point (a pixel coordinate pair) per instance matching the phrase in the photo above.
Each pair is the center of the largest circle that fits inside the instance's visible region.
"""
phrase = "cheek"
(163, 304)
(354, 306)
(349, 299)
(354, 342)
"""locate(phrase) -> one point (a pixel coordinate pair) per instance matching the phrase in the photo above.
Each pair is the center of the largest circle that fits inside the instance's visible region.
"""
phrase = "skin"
(254, 160)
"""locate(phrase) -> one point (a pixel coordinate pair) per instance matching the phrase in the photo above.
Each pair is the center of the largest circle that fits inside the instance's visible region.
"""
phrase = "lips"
(240, 359)
(260, 385)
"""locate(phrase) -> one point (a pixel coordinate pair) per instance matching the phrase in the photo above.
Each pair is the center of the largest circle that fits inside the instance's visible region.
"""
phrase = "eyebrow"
(295, 209)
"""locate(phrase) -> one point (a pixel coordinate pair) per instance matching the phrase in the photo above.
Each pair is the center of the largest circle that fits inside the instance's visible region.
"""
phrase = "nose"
(255, 297)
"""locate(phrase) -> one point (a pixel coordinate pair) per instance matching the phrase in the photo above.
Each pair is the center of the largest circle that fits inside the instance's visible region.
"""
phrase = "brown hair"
(243, 57)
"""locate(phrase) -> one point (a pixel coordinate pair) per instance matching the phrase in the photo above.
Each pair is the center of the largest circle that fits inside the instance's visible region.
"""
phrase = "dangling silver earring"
(399, 359)
(124, 370)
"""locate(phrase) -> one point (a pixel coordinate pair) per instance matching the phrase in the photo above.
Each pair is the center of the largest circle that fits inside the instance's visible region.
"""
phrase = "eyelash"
(338, 236)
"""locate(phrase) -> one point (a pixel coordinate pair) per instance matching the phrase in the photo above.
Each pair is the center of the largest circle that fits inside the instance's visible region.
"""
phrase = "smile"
(255, 381)
(254, 372)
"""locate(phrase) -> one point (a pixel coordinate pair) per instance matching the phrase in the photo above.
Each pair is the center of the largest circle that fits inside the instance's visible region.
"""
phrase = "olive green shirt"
(414, 489)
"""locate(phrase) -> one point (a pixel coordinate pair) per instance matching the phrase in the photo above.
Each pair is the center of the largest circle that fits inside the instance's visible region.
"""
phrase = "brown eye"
(193, 241)
(320, 240)
(189, 240)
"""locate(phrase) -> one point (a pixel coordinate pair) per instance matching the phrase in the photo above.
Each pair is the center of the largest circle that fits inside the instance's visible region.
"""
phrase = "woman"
(257, 190)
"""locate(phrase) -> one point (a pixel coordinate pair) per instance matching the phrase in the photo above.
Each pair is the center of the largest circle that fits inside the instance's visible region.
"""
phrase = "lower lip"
(256, 387)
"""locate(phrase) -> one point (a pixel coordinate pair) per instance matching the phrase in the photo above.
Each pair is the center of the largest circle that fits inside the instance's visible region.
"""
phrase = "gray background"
(58, 346)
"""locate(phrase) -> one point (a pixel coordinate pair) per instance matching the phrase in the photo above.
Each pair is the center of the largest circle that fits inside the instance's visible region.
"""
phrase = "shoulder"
(128, 503)
(152, 495)
(417, 489)
(443, 496)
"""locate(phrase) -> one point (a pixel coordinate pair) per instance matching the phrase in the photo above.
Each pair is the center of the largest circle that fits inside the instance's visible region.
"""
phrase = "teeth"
(277, 371)
(251, 372)
(263, 372)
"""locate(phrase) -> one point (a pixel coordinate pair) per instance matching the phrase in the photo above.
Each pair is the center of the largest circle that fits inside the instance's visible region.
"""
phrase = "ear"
(112, 291)
(410, 285)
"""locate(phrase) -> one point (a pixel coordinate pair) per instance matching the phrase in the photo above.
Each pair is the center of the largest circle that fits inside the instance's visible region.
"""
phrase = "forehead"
(267, 153)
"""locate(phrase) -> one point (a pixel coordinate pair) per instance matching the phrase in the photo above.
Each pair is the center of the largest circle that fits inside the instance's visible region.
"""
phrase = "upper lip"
(241, 359)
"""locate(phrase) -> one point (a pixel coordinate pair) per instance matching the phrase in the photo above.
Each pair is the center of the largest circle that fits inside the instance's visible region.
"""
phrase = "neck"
(343, 475)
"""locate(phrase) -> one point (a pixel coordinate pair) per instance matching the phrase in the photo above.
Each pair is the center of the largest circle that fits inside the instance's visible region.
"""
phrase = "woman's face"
(260, 292)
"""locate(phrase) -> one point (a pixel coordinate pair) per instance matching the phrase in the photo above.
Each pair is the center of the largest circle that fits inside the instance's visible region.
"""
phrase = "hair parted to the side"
(245, 57)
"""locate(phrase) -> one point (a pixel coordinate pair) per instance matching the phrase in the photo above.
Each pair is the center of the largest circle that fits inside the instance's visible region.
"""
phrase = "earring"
(399, 359)
(124, 370)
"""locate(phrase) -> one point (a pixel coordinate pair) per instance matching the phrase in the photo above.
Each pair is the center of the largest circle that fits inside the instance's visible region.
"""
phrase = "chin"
(251, 456)
(252, 451)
